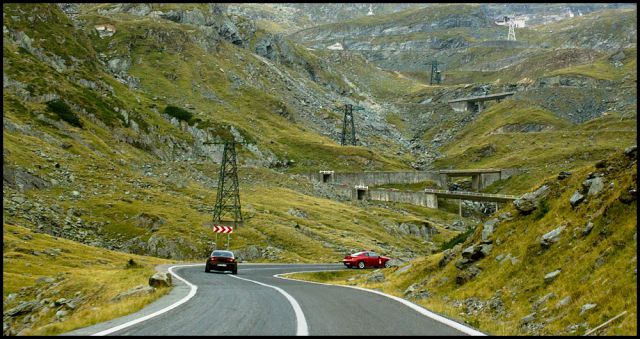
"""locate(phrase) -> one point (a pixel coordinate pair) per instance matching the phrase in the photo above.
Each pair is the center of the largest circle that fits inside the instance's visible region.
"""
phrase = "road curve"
(254, 302)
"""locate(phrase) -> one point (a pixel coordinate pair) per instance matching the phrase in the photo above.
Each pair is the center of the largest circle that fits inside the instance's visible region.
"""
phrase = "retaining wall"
(376, 178)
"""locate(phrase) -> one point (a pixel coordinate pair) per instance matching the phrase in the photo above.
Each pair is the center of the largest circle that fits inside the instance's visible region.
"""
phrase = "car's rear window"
(225, 254)
(357, 254)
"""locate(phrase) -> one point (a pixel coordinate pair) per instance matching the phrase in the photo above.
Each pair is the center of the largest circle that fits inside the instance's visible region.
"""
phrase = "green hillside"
(510, 290)
(114, 116)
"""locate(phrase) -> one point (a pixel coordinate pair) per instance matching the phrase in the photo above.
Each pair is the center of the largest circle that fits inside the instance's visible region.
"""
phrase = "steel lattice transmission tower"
(512, 30)
(347, 123)
(228, 198)
(436, 74)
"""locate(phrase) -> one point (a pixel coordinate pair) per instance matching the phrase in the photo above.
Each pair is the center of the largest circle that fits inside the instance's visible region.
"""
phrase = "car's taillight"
(212, 258)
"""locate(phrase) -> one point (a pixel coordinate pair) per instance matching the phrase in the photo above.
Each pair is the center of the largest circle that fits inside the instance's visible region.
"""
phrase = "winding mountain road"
(256, 302)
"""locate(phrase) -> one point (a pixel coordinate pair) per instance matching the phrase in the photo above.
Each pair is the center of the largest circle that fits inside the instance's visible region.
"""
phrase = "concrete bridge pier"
(487, 179)
(431, 200)
(475, 182)
(444, 181)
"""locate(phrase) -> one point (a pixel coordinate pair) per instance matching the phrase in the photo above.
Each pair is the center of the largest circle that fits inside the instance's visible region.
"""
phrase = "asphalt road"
(254, 302)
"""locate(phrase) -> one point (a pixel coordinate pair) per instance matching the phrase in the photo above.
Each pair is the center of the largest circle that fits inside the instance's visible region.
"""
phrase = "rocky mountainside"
(409, 40)
(114, 115)
(290, 17)
(561, 260)
(142, 91)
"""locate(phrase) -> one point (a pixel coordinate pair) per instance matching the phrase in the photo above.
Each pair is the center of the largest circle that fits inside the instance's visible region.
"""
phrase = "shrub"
(132, 263)
(178, 113)
(457, 239)
(63, 111)
(543, 208)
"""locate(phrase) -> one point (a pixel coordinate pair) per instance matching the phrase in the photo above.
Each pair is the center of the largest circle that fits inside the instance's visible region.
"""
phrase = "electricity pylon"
(436, 75)
(512, 30)
(347, 123)
(228, 198)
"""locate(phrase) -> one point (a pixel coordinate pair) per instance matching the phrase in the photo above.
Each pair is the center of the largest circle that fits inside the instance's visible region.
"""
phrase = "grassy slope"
(545, 153)
(269, 223)
(93, 152)
(116, 201)
(96, 274)
(598, 268)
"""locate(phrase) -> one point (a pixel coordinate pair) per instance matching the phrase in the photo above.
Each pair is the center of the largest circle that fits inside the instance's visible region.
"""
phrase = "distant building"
(370, 10)
(518, 21)
(336, 47)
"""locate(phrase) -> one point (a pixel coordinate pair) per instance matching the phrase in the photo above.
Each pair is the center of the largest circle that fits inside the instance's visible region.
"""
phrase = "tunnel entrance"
(326, 175)
(360, 192)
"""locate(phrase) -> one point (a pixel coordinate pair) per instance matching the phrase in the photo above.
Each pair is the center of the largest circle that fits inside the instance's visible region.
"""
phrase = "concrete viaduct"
(481, 178)
(475, 104)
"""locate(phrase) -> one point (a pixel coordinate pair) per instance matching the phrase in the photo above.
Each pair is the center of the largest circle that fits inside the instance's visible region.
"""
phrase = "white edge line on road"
(192, 292)
(419, 309)
(302, 328)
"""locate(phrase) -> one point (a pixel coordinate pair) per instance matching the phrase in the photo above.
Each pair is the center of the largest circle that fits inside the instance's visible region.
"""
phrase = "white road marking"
(192, 292)
(419, 309)
(302, 328)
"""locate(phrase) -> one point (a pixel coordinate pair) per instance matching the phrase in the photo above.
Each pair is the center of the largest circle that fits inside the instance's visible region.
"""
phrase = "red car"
(365, 259)
(222, 261)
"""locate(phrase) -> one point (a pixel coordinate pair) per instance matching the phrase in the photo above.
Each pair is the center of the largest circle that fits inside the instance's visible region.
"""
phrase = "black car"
(221, 261)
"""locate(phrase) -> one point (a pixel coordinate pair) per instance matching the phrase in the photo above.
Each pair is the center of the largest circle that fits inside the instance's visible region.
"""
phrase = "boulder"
(487, 230)
(467, 274)
(160, 279)
(23, 307)
(551, 237)
(576, 199)
(563, 175)
(395, 263)
(563, 302)
(630, 151)
(543, 300)
(549, 277)
(473, 252)
(596, 186)
(297, 213)
(587, 307)
(529, 201)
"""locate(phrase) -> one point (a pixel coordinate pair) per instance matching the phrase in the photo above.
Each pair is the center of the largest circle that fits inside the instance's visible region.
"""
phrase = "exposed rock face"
(20, 179)
(421, 231)
(254, 252)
